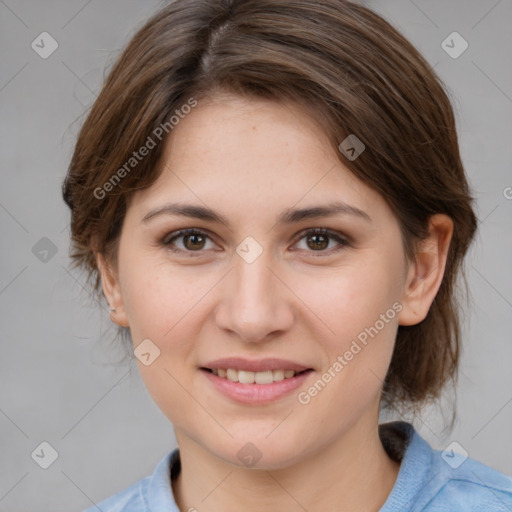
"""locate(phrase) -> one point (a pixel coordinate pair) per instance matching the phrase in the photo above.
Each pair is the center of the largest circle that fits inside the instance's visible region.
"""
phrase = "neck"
(337, 477)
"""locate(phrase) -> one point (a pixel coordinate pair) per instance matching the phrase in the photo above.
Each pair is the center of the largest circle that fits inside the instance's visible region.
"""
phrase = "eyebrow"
(288, 216)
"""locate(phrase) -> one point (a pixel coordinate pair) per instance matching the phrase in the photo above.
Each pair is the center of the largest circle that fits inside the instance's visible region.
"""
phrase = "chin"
(260, 452)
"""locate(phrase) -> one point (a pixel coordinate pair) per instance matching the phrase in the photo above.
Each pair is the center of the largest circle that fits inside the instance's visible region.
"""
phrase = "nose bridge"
(254, 281)
(256, 304)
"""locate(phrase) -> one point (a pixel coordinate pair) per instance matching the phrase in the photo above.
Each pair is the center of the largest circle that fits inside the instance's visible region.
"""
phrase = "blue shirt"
(428, 481)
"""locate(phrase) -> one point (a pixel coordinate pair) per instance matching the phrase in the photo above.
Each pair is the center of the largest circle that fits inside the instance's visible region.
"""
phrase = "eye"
(319, 239)
(193, 240)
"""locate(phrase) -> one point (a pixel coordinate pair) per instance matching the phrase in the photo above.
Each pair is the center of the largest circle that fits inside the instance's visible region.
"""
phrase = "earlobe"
(112, 291)
(425, 273)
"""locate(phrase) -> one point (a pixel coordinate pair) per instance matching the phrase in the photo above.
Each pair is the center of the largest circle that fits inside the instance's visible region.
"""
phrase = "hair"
(348, 69)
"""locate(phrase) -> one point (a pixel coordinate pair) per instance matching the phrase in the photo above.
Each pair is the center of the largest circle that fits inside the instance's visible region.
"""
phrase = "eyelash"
(170, 238)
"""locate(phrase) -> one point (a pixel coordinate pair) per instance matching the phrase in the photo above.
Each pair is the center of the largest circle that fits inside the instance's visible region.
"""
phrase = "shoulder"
(440, 481)
(471, 485)
(150, 494)
(128, 500)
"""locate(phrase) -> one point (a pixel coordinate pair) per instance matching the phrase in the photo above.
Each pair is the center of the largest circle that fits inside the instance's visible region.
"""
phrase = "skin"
(250, 160)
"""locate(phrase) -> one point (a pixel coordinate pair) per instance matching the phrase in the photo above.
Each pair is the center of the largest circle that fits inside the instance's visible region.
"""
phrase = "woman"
(270, 197)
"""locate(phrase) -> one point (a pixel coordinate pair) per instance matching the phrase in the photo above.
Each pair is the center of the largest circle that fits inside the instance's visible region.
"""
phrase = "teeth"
(278, 375)
(232, 375)
(264, 377)
(244, 377)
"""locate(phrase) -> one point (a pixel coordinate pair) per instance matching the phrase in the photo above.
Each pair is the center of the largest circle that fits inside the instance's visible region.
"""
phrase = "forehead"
(255, 156)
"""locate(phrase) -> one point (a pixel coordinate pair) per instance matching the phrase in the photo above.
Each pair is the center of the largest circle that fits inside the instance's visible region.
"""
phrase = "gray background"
(59, 379)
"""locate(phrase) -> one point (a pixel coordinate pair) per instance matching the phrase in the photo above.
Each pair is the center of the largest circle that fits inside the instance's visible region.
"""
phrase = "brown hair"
(351, 71)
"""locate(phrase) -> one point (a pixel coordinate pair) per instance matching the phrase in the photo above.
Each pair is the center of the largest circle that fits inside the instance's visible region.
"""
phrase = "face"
(277, 288)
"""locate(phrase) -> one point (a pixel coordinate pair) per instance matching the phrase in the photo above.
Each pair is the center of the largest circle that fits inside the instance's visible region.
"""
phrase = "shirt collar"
(159, 492)
(415, 468)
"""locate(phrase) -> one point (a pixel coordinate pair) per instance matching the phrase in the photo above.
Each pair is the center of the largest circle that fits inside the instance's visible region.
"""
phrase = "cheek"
(160, 299)
(164, 305)
(358, 303)
(351, 299)
(357, 354)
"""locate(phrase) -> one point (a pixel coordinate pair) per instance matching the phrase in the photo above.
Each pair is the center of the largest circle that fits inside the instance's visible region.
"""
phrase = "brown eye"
(187, 240)
(193, 242)
(322, 240)
(317, 241)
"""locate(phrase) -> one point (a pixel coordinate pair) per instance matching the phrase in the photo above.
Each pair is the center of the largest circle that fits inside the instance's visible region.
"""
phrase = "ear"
(112, 291)
(425, 273)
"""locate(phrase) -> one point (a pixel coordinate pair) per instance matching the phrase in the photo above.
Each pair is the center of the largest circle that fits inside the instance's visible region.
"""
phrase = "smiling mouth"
(247, 377)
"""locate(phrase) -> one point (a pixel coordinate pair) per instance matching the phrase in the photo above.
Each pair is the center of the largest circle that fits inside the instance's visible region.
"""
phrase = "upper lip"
(260, 365)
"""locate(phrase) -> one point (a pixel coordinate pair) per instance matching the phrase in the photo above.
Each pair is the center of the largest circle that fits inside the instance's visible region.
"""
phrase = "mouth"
(248, 377)
(252, 382)
(255, 382)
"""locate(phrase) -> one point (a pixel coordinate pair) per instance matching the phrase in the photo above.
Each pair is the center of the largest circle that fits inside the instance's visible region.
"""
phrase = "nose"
(256, 304)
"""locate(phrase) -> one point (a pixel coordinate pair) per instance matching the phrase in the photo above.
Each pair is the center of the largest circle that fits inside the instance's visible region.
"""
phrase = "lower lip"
(256, 393)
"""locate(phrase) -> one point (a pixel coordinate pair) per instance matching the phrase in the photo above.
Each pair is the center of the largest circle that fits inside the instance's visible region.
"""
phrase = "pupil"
(320, 243)
(197, 241)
